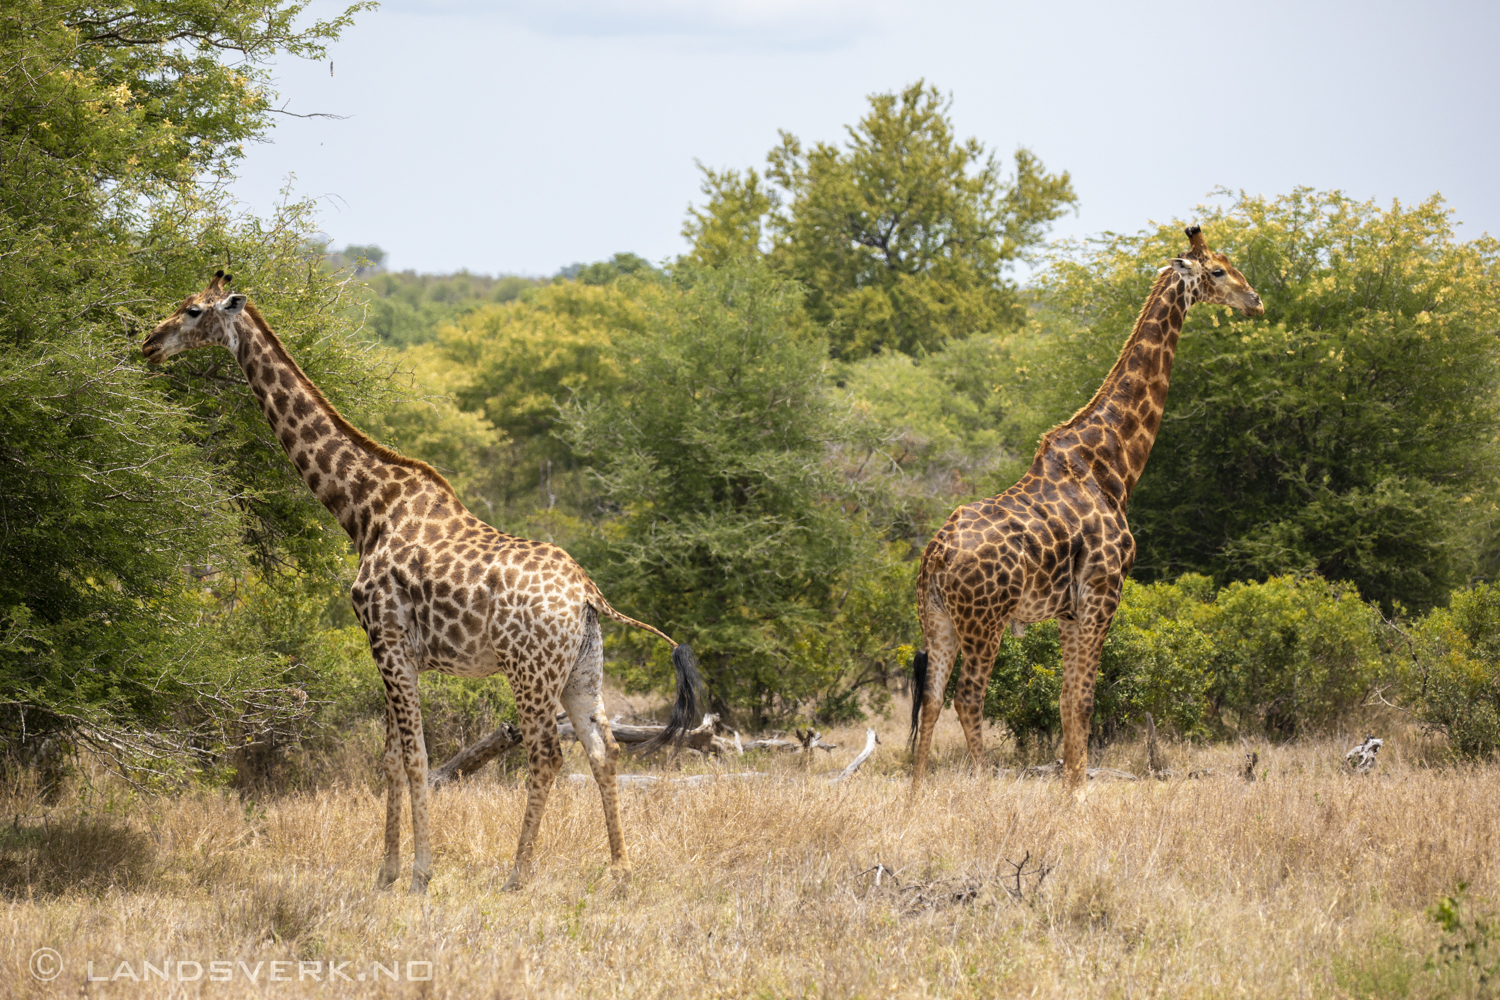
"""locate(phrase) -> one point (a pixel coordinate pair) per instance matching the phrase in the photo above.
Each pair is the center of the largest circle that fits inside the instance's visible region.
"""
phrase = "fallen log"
(705, 739)
(469, 760)
(807, 740)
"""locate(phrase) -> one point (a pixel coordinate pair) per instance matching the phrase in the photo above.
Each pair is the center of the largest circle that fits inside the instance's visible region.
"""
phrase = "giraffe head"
(1209, 277)
(204, 319)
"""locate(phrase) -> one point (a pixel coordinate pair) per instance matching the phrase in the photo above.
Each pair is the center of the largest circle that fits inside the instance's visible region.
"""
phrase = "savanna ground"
(1308, 882)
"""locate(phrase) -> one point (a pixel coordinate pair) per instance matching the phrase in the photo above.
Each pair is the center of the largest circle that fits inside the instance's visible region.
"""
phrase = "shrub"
(1282, 656)
(1456, 665)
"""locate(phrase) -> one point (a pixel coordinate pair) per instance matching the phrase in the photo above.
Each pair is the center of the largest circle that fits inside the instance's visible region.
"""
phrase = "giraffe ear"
(233, 305)
(1183, 267)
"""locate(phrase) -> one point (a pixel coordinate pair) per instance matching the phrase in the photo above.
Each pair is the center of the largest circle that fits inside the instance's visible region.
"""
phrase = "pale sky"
(518, 136)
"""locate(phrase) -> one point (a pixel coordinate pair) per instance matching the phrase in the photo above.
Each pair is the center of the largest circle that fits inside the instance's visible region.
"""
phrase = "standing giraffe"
(437, 589)
(1056, 544)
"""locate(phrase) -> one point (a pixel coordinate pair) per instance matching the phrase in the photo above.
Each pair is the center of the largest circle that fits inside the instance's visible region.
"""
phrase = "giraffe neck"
(350, 474)
(1119, 424)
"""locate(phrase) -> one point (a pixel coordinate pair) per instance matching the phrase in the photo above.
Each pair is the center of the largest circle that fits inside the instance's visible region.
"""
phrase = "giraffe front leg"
(407, 764)
(414, 755)
(543, 761)
(390, 869)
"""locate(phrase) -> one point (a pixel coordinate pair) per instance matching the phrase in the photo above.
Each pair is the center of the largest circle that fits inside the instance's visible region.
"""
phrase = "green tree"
(1352, 432)
(729, 531)
(403, 308)
(901, 238)
(123, 488)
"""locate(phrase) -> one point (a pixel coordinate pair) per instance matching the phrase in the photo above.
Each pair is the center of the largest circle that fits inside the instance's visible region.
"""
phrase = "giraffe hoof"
(512, 884)
(419, 882)
(385, 880)
(620, 873)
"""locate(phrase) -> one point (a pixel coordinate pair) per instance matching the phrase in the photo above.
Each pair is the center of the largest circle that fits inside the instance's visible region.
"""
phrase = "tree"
(1352, 432)
(730, 532)
(122, 488)
(901, 238)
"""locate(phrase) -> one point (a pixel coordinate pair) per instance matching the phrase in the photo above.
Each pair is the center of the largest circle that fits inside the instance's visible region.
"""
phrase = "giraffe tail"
(686, 713)
(918, 693)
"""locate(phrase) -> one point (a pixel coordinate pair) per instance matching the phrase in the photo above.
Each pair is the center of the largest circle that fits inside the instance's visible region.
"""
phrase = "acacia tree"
(1352, 432)
(902, 237)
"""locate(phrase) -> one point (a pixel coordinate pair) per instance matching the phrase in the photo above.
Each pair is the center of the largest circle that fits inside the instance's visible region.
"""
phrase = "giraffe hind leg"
(543, 761)
(395, 788)
(978, 664)
(582, 701)
(942, 649)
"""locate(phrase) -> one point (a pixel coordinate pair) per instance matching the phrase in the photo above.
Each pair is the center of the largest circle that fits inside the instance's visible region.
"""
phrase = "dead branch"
(870, 741)
(475, 757)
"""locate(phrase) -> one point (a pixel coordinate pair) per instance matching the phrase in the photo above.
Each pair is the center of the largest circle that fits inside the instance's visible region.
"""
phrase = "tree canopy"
(124, 488)
(901, 238)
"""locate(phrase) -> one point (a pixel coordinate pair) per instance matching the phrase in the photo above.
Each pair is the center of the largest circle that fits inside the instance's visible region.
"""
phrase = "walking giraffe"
(1056, 544)
(437, 589)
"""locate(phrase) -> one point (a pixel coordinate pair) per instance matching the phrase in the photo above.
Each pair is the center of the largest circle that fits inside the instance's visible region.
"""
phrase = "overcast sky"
(518, 136)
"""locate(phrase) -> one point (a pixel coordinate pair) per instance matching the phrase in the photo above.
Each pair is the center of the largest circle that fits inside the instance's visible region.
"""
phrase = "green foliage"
(728, 534)
(604, 272)
(1292, 655)
(1469, 955)
(122, 487)
(1456, 671)
(1282, 657)
(901, 238)
(1352, 432)
(1155, 660)
(402, 308)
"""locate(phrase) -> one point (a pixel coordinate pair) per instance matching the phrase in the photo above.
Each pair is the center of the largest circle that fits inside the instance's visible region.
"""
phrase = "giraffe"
(437, 589)
(1056, 544)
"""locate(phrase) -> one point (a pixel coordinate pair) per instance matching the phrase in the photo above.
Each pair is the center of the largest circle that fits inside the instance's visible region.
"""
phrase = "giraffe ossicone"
(1056, 544)
(437, 588)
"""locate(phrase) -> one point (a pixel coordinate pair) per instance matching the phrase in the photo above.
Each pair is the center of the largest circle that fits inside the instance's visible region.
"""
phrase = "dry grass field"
(1309, 882)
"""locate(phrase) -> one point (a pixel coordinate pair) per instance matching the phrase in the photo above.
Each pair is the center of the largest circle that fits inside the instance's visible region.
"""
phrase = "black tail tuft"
(918, 691)
(686, 713)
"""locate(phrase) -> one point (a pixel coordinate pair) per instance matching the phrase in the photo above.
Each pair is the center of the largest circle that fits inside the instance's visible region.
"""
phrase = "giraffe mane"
(1163, 278)
(359, 437)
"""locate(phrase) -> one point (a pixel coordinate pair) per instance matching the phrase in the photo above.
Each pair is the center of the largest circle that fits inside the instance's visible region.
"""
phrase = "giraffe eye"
(1218, 272)
(194, 312)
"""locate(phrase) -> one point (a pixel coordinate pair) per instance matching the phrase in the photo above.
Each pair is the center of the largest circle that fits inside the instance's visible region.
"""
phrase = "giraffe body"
(437, 589)
(1057, 544)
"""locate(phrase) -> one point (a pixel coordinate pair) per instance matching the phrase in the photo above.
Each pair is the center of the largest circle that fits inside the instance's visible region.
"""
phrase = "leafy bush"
(1456, 667)
(1155, 660)
(1291, 655)
(1282, 656)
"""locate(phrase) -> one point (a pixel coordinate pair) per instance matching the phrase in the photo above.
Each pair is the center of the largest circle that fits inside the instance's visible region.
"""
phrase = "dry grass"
(1310, 883)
